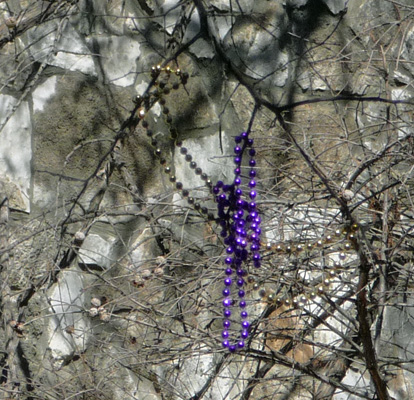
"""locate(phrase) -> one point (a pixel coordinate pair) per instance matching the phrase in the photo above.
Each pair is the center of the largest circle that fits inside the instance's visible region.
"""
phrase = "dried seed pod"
(105, 317)
(13, 323)
(93, 312)
(138, 281)
(146, 274)
(96, 302)
(159, 271)
(70, 329)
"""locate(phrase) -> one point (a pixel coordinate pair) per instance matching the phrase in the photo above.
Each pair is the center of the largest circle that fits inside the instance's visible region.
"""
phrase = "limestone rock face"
(117, 118)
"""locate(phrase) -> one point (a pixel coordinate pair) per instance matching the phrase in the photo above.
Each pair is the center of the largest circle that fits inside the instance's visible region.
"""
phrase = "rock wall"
(111, 274)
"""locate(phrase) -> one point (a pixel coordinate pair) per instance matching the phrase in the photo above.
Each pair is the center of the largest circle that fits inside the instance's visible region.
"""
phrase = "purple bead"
(254, 247)
(240, 213)
(244, 314)
(240, 203)
(237, 181)
(244, 135)
(226, 188)
(219, 184)
(226, 292)
(252, 163)
(232, 348)
(244, 334)
(241, 272)
(256, 256)
(245, 325)
(225, 334)
(252, 173)
(241, 293)
(229, 250)
(216, 190)
(253, 226)
(252, 206)
(252, 183)
(254, 214)
(257, 264)
(237, 160)
(252, 152)
(240, 282)
(257, 220)
(252, 194)
(240, 344)
(226, 324)
(228, 282)
(237, 171)
(237, 150)
(241, 223)
(223, 233)
(241, 232)
(253, 236)
(238, 192)
(250, 142)
(228, 260)
(222, 197)
(238, 139)
(258, 231)
(227, 241)
(227, 313)
(238, 262)
(228, 271)
(227, 302)
(242, 304)
(225, 343)
(244, 254)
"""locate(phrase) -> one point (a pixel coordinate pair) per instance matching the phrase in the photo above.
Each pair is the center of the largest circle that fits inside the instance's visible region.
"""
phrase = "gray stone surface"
(73, 158)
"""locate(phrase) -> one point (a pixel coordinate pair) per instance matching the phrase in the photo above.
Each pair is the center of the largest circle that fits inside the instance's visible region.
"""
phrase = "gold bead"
(321, 290)
(342, 256)
(355, 227)
(338, 232)
(319, 243)
(299, 247)
(309, 246)
(328, 239)
(347, 246)
(279, 248)
(337, 264)
(256, 286)
(141, 113)
(326, 282)
(178, 71)
(271, 297)
(268, 246)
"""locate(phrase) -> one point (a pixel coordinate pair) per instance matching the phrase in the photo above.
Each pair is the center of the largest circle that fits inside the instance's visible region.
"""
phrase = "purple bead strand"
(240, 224)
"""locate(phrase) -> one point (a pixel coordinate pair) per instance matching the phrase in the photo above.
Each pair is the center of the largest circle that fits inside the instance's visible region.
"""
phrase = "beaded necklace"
(240, 223)
(237, 215)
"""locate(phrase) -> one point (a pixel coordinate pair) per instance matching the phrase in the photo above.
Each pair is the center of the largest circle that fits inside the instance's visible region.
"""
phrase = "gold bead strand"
(151, 99)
